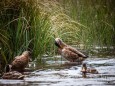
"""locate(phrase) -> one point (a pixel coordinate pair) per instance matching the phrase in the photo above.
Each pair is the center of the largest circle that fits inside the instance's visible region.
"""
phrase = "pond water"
(69, 76)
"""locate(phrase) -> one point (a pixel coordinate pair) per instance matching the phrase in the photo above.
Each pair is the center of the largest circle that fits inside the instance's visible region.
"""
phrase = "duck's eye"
(57, 44)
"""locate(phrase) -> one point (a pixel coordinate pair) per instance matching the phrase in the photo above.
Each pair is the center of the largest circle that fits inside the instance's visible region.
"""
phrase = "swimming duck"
(12, 75)
(68, 52)
(85, 70)
(19, 63)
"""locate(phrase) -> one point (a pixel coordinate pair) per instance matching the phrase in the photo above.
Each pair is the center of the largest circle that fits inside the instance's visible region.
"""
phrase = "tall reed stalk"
(99, 18)
(34, 24)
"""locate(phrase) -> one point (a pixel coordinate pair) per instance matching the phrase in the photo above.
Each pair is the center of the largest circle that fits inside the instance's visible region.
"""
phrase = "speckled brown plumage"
(20, 62)
(12, 75)
(68, 52)
(85, 70)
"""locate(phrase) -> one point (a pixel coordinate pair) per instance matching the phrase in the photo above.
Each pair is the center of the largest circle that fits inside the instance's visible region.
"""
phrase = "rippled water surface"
(69, 76)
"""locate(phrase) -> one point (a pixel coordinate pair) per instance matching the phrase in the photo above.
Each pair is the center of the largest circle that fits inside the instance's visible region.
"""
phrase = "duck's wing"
(19, 62)
(76, 51)
(69, 55)
(16, 57)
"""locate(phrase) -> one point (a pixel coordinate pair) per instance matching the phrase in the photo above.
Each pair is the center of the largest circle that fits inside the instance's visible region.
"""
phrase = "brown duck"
(68, 52)
(85, 70)
(12, 75)
(19, 63)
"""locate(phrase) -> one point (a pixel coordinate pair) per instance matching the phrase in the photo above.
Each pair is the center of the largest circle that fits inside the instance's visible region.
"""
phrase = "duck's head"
(84, 65)
(27, 54)
(8, 68)
(84, 68)
(59, 43)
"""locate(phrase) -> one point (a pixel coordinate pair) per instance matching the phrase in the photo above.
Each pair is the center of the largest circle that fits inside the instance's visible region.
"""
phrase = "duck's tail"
(21, 77)
(86, 56)
(8, 68)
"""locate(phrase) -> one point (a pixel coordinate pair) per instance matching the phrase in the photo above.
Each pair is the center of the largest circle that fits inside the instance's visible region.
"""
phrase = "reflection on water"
(70, 76)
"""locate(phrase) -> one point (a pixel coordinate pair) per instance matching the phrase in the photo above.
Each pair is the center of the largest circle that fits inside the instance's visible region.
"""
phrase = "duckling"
(92, 70)
(84, 69)
(68, 52)
(88, 70)
(12, 75)
(19, 63)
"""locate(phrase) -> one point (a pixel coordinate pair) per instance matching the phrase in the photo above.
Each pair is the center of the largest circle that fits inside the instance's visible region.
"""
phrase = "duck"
(69, 53)
(19, 63)
(85, 70)
(13, 75)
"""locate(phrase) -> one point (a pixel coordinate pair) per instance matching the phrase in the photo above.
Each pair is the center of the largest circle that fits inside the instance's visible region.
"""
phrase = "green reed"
(34, 24)
(22, 27)
(97, 16)
(29, 25)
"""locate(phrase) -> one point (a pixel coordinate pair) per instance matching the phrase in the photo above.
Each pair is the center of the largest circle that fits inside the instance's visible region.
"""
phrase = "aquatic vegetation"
(28, 26)
(97, 17)
(34, 24)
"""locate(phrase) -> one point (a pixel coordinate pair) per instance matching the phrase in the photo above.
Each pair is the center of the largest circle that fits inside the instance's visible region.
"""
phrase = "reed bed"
(34, 24)
(97, 16)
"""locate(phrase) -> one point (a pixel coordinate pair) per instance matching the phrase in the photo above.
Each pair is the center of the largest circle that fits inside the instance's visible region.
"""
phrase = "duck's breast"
(20, 62)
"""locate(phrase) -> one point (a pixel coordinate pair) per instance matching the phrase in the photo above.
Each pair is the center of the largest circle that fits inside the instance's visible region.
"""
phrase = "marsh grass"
(34, 24)
(29, 25)
(25, 29)
(97, 16)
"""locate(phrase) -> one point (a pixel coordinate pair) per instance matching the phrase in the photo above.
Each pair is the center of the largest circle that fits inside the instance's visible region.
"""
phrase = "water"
(69, 76)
